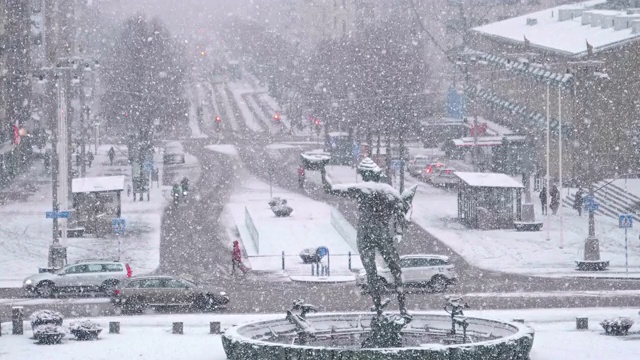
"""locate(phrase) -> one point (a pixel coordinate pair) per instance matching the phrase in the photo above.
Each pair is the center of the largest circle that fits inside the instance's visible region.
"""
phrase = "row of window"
(421, 262)
(159, 284)
(93, 268)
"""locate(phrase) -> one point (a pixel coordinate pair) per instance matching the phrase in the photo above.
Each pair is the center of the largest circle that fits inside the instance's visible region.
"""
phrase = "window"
(78, 269)
(113, 267)
(176, 284)
(133, 284)
(437, 262)
(94, 268)
(151, 284)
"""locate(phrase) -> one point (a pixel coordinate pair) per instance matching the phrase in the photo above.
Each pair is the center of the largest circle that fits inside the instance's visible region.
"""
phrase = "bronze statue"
(381, 210)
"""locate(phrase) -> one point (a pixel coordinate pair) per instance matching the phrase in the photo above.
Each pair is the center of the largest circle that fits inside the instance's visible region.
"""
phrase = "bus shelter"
(96, 201)
(489, 200)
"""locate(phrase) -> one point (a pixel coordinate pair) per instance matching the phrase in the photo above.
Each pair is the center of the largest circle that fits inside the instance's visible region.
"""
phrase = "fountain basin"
(338, 336)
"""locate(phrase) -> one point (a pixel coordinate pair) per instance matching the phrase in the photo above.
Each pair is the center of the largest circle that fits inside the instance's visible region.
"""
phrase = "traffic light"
(316, 122)
(276, 117)
(218, 119)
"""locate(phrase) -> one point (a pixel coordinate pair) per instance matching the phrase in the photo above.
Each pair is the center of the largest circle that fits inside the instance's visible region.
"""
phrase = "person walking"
(90, 158)
(236, 259)
(301, 177)
(543, 200)
(112, 155)
(555, 199)
(577, 202)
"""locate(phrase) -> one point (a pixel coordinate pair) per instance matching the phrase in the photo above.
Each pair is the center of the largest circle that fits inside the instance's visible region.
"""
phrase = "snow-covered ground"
(227, 107)
(273, 104)
(27, 234)
(150, 337)
(507, 250)
(196, 100)
(238, 89)
(309, 226)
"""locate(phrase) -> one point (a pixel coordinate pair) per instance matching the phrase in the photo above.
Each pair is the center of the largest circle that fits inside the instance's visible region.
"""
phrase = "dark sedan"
(166, 291)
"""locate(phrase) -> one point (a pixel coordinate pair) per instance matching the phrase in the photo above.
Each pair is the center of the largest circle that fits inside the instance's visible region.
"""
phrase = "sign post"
(625, 222)
(118, 225)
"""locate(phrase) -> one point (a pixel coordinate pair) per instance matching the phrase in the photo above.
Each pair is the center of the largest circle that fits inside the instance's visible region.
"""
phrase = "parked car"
(163, 291)
(444, 177)
(417, 164)
(430, 170)
(432, 271)
(84, 275)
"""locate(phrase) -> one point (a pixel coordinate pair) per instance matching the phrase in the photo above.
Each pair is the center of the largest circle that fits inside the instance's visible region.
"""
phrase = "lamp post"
(546, 178)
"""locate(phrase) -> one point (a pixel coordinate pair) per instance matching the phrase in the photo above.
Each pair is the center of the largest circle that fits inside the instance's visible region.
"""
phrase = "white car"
(417, 164)
(444, 177)
(433, 271)
(87, 275)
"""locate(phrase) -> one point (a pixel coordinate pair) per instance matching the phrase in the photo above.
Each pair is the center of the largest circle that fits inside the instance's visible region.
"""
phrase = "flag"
(589, 48)
(16, 133)
(527, 43)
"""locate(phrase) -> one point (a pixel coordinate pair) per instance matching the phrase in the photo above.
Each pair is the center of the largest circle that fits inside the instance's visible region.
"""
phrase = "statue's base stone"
(592, 265)
(338, 336)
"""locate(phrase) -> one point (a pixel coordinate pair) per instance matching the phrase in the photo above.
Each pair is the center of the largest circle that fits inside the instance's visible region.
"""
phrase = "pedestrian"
(128, 190)
(577, 202)
(78, 160)
(236, 259)
(112, 155)
(543, 200)
(301, 177)
(90, 158)
(47, 161)
(555, 199)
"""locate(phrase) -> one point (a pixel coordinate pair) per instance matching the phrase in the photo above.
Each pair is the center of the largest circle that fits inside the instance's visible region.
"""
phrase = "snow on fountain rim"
(523, 330)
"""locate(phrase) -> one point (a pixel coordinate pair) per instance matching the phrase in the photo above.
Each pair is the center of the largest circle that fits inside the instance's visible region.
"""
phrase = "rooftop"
(568, 28)
(97, 184)
(474, 179)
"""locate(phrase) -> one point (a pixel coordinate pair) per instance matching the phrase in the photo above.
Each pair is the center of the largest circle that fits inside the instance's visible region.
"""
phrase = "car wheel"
(108, 286)
(45, 289)
(438, 284)
(203, 302)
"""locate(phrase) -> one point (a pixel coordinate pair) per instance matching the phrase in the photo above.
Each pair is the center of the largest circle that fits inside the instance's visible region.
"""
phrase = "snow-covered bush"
(49, 334)
(85, 330)
(279, 207)
(45, 317)
(617, 326)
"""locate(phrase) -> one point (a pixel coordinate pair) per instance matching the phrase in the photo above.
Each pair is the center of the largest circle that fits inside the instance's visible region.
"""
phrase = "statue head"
(369, 170)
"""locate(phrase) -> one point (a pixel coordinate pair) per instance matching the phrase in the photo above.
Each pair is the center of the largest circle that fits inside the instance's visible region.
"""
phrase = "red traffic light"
(276, 117)
(218, 119)
(316, 122)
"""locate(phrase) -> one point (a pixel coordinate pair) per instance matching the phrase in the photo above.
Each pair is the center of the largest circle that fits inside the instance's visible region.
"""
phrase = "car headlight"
(28, 282)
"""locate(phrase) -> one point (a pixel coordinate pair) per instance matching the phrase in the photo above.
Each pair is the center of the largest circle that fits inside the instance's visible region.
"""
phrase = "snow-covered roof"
(97, 184)
(487, 140)
(488, 180)
(568, 28)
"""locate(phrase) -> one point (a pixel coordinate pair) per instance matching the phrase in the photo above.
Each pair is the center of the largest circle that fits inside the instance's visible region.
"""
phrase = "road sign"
(147, 166)
(396, 164)
(322, 251)
(118, 225)
(625, 221)
(57, 215)
(590, 204)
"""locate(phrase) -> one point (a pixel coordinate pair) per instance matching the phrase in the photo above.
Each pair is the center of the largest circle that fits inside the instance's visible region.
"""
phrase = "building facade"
(575, 65)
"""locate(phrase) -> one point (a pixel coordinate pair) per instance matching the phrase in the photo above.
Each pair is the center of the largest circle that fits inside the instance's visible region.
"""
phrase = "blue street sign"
(396, 164)
(118, 225)
(147, 166)
(355, 150)
(57, 215)
(590, 204)
(322, 251)
(625, 221)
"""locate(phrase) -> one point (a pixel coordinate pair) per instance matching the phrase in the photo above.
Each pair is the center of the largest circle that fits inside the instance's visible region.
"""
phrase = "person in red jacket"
(236, 259)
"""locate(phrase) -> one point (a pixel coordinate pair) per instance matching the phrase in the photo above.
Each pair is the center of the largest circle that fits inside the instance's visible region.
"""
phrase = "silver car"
(85, 275)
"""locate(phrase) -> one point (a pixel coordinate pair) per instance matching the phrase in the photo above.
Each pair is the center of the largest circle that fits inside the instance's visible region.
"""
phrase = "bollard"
(214, 327)
(283, 260)
(349, 260)
(519, 320)
(582, 323)
(17, 313)
(178, 328)
(114, 327)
